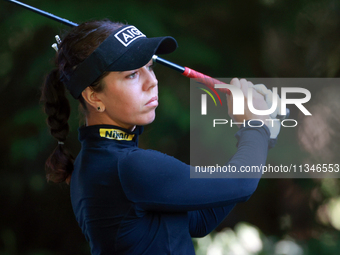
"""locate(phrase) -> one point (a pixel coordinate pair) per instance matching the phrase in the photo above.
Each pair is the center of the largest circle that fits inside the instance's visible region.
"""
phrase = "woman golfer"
(128, 200)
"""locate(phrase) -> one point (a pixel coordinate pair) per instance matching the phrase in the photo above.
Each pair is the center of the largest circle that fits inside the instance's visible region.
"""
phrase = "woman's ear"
(92, 99)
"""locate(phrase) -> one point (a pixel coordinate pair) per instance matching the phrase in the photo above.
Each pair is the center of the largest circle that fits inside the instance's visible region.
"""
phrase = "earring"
(98, 108)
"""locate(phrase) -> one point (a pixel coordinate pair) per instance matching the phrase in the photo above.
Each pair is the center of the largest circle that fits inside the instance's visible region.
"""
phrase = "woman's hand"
(259, 102)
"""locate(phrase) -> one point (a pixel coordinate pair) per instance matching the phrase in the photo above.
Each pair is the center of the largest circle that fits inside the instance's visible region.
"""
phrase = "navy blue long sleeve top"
(128, 200)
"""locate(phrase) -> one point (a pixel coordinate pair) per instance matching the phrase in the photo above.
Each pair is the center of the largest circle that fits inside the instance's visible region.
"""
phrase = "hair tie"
(61, 143)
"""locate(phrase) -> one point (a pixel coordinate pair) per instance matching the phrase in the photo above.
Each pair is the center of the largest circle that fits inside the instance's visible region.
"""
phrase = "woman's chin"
(148, 120)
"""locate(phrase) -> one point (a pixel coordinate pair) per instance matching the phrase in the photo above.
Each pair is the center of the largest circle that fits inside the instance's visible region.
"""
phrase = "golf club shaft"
(186, 71)
(46, 14)
(190, 73)
(202, 78)
(183, 70)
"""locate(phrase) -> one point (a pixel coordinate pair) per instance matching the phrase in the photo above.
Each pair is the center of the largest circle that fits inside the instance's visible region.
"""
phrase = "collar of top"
(109, 133)
(125, 49)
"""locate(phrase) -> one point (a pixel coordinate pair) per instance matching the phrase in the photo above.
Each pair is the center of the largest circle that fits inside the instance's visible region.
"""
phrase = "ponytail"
(59, 165)
(77, 45)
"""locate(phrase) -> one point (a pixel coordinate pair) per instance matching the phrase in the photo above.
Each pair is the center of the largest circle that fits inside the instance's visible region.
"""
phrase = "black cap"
(126, 49)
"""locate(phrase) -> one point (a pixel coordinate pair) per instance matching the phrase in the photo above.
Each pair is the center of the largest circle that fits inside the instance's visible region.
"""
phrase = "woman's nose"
(150, 79)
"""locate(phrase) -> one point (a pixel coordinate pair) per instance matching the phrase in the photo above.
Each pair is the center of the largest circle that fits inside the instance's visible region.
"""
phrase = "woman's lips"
(152, 102)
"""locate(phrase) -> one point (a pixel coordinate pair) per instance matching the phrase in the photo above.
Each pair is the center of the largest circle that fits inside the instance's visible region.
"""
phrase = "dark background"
(250, 38)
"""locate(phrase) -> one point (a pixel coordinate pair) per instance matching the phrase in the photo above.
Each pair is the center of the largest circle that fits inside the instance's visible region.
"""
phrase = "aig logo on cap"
(128, 35)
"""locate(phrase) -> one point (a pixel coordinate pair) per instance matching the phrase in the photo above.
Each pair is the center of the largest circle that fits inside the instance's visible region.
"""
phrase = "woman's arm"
(202, 222)
(158, 182)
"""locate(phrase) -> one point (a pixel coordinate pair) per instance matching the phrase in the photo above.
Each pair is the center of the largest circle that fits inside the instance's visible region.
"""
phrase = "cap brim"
(141, 52)
(125, 49)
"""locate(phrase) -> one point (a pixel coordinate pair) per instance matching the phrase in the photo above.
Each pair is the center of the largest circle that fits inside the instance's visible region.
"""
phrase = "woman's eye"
(131, 76)
(150, 67)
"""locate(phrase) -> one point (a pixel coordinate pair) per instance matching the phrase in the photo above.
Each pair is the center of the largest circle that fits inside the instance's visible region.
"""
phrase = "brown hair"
(77, 45)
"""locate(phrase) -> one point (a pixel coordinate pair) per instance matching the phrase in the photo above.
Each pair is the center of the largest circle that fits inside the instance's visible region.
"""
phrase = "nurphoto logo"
(238, 99)
(238, 104)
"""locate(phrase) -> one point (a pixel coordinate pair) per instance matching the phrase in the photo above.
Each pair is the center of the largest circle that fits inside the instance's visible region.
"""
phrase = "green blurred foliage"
(251, 38)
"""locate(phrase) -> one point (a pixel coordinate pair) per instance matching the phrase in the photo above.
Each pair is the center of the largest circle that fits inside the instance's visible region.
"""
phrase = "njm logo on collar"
(128, 35)
(115, 134)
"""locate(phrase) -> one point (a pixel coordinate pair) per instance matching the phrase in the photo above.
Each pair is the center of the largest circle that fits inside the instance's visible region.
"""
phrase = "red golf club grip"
(205, 79)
